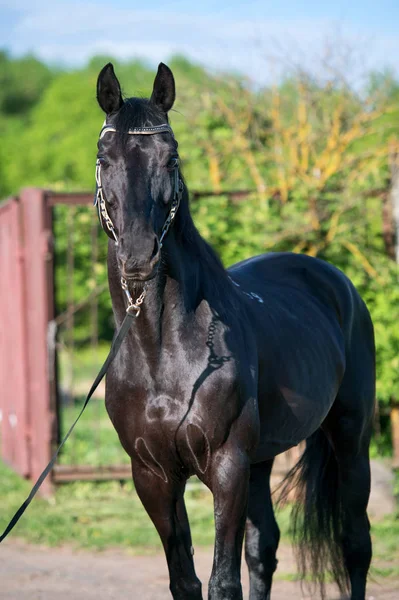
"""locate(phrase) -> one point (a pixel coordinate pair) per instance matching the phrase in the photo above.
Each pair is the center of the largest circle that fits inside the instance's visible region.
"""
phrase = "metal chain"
(133, 307)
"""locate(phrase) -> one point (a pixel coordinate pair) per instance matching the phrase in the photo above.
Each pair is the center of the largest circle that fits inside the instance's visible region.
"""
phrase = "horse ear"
(108, 90)
(164, 93)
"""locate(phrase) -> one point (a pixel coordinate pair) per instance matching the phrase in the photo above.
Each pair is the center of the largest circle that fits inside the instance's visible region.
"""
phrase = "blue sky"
(258, 38)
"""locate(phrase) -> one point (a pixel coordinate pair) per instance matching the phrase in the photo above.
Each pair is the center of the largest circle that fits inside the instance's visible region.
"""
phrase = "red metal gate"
(27, 387)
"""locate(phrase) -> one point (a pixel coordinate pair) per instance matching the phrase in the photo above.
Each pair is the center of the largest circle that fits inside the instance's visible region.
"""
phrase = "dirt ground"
(35, 573)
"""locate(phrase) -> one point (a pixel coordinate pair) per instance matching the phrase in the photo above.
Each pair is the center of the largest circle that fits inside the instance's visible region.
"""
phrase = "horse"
(224, 369)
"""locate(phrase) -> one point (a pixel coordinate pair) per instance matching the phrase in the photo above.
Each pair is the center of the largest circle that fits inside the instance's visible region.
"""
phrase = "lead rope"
(132, 311)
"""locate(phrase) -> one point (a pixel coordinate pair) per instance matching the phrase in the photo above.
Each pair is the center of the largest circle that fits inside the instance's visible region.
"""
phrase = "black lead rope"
(116, 344)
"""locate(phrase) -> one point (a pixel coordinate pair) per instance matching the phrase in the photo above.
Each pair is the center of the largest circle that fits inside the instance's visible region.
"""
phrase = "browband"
(165, 127)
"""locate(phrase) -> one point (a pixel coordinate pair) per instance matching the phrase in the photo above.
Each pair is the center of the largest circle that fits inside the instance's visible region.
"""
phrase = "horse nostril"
(155, 249)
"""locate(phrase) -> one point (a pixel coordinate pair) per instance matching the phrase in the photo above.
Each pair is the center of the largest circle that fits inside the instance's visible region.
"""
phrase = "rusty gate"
(32, 390)
(27, 379)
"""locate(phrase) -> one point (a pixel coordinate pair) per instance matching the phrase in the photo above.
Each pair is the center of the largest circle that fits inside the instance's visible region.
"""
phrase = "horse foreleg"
(164, 503)
(229, 484)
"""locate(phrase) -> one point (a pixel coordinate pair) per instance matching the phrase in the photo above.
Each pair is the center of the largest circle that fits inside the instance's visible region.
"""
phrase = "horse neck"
(190, 273)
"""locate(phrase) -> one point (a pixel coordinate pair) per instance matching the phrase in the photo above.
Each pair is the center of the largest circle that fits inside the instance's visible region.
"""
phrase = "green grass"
(95, 515)
(385, 535)
(106, 515)
(85, 362)
(94, 440)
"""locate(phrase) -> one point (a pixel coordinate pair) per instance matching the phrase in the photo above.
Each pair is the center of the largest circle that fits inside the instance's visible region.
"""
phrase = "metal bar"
(80, 198)
(85, 198)
(70, 321)
(39, 312)
(65, 473)
(52, 359)
(72, 198)
(68, 473)
(94, 328)
(14, 424)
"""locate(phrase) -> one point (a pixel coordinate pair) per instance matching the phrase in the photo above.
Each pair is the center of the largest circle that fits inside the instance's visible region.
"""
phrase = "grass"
(84, 364)
(97, 516)
(94, 441)
(100, 515)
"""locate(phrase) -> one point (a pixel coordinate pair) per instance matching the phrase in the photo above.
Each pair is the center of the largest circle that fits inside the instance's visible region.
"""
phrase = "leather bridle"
(134, 307)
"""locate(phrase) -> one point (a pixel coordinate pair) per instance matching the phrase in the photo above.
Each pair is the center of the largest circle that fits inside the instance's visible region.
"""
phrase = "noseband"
(134, 307)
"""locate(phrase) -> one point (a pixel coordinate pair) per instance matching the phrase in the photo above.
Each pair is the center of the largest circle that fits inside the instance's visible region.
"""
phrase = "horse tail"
(317, 515)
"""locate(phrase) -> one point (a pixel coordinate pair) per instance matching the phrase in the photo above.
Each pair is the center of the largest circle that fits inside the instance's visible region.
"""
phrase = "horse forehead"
(138, 148)
(147, 146)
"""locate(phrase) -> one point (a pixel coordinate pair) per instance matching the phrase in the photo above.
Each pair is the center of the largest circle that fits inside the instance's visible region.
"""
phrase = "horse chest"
(175, 419)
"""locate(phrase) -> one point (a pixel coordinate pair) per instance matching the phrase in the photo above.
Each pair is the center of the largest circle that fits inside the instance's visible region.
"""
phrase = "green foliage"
(383, 305)
(312, 153)
(21, 84)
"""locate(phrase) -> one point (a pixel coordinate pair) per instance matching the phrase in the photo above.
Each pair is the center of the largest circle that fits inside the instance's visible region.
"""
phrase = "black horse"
(223, 370)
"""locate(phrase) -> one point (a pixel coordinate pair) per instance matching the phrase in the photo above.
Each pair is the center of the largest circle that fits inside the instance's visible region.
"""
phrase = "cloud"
(72, 32)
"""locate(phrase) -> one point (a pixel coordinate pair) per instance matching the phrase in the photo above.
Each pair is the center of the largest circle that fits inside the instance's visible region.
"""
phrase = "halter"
(134, 307)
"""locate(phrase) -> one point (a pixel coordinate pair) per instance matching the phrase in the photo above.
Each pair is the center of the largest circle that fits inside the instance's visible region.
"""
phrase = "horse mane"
(138, 112)
(206, 274)
(207, 278)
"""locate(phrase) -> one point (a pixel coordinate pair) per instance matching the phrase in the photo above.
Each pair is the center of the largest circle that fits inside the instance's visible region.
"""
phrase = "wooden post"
(39, 313)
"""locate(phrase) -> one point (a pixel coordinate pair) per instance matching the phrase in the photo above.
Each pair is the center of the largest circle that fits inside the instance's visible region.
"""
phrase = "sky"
(260, 39)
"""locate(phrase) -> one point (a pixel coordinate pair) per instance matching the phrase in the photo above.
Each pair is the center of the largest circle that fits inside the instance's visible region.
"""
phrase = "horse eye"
(173, 163)
(103, 161)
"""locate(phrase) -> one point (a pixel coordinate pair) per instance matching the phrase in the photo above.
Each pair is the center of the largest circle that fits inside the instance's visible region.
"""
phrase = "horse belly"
(289, 419)
(295, 398)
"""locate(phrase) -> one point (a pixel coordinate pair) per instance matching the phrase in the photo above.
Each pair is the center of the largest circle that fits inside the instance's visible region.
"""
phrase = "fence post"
(13, 377)
(39, 309)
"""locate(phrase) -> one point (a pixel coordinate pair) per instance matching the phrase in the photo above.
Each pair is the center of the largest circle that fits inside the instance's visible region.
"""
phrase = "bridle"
(134, 307)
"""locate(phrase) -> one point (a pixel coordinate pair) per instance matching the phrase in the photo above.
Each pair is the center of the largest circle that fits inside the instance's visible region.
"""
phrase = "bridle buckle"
(133, 310)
